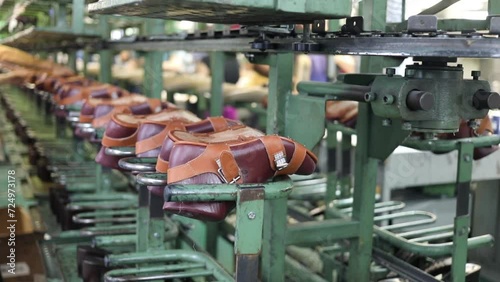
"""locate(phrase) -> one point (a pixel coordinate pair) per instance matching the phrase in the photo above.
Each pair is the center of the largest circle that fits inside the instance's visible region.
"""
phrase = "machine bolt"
(251, 215)
(370, 96)
(475, 74)
(386, 122)
(409, 73)
(390, 72)
(406, 126)
(156, 235)
(419, 100)
(485, 100)
(388, 99)
(467, 158)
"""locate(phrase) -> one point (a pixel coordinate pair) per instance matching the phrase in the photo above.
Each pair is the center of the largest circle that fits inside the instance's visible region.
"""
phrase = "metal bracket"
(494, 24)
(353, 25)
(422, 23)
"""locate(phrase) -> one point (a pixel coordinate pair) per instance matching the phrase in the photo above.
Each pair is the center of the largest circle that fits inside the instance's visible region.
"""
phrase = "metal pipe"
(431, 250)
(120, 151)
(152, 179)
(338, 91)
(138, 164)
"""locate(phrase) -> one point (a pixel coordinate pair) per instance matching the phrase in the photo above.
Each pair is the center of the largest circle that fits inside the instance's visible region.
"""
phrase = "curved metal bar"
(152, 257)
(106, 216)
(89, 130)
(431, 250)
(152, 179)
(83, 125)
(427, 218)
(104, 197)
(110, 230)
(120, 151)
(169, 272)
(138, 164)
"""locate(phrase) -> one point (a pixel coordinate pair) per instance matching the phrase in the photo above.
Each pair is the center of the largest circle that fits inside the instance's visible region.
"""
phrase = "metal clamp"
(221, 174)
(280, 161)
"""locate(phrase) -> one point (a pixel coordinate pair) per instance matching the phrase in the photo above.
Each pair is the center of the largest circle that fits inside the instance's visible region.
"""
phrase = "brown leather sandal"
(239, 156)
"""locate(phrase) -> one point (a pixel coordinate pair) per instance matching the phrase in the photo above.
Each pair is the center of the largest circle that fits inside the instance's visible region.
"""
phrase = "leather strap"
(218, 123)
(119, 142)
(298, 157)
(102, 120)
(71, 100)
(217, 159)
(156, 141)
(161, 165)
(275, 151)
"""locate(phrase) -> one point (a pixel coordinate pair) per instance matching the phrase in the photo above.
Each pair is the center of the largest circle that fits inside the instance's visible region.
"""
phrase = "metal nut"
(370, 96)
(251, 215)
(388, 99)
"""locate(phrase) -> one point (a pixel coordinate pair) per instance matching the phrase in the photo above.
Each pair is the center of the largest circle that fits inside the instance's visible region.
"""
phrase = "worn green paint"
(249, 221)
(217, 62)
(365, 173)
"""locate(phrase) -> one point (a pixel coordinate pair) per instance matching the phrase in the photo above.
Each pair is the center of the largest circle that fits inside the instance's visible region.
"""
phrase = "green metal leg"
(217, 62)
(153, 72)
(462, 219)
(280, 85)
(250, 218)
(142, 220)
(273, 246)
(364, 200)
(105, 56)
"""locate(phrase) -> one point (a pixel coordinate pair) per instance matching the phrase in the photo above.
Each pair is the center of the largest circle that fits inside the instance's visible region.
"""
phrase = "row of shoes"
(188, 149)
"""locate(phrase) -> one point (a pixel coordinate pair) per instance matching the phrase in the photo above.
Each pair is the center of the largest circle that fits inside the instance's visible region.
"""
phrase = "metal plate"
(228, 12)
(45, 38)
(480, 47)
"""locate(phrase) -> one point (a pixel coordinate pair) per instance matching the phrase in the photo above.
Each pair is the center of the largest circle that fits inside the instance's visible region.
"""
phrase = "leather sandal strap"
(119, 142)
(71, 100)
(275, 151)
(161, 165)
(218, 123)
(102, 120)
(217, 159)
(298, 157)
(156, 140)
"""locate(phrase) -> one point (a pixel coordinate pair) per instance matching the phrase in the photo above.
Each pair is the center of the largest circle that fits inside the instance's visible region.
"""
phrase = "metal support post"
(462, 219)
(105, 56)
(85, 62)
(280, 85)
(72, 60)
(250, 217)
(77, 16)
(217, 62)
(153, 71)
(273, 248)
(365, 175)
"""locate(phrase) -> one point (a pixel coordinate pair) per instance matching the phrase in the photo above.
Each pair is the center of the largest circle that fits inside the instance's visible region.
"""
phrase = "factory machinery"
(289, 228)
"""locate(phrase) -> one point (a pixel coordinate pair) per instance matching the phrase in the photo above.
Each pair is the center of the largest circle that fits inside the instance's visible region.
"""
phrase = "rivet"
(251, 215)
